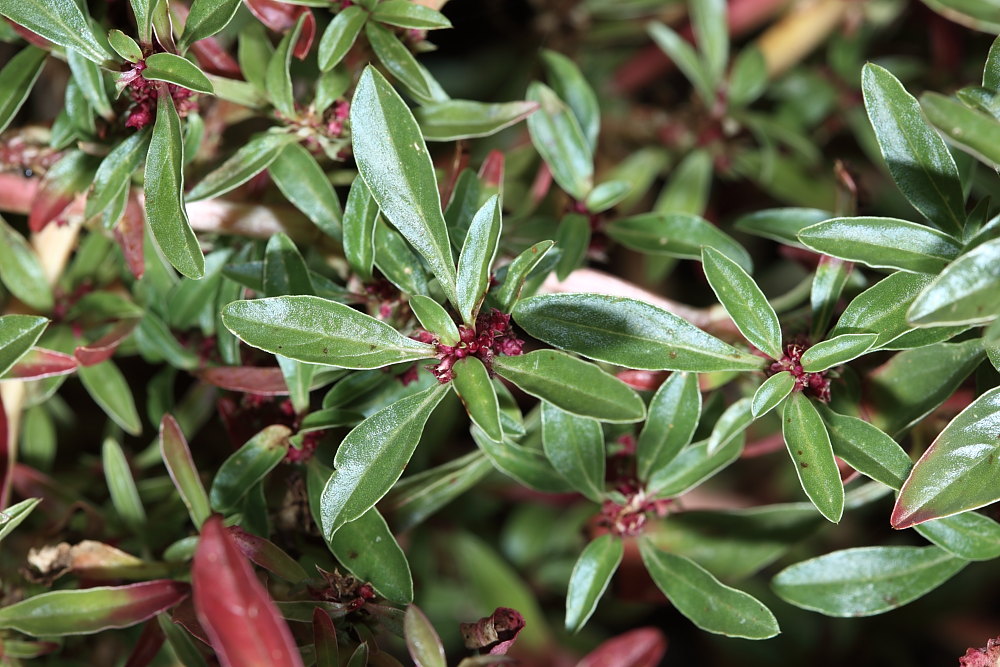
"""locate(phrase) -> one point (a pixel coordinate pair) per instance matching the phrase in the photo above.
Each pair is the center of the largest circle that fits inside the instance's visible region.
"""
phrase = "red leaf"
(214, 59)
(267, 554)
(642, 647)
(184, 615)
(42, 363)
(234, 608)
(982, 657)
(249, 379)
(281, 17)
(129, 233)
(104, 347)
(324, 639)
(145, 600)
(49, 204)
(643, 380)
(147, 646)
(491, 172)
(30, 36)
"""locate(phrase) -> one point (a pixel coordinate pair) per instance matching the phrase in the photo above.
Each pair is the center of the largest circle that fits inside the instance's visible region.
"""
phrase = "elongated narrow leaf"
(771, 393)
(206, 18)
(474, 263)
(881, 309)
(835, 351)
(121, 485)
(417, 497)
(393, 160)
(590, 577)
(164, 185)
(21, 270)
(712, 34)
(422, 641)
(866, 448)
(968, 535)
(435, 319)
(373, 455)
(179, 71)
(517, 271)
(730, 424)
(318, 331)
(406, 14)
(526, 466)
(682, 235)
(575, 447)
(882, 242)
(708, 603)
(744, 302)
(781, 224)
(325, 639)
(969, 129)
(252, 158)
(570, 85)
(958, 471)
(359, 229)
(303, 182)
(278, 77)
(17, 513)
(268, 555)
(18, 333)
(464, 119)
(401, 63)
(916, 155)
(16, 81)
(672, 419)
(558, 138)
(59, 21)
(177, 458)
(573, 385)
(827, 286)
(115, 173)
(573, 241)
(242, 622)
(473, 385)
(693, 466)
(247, 466)
(809, 446)
(340, 35)
(627, 332)
(109, 389)
(687, 61)
(865, 581)
(285, 272)
(369, 551)
(966, 292)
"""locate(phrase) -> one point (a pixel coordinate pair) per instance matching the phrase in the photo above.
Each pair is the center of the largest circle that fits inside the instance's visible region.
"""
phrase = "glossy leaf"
(340, 35)
(121, 485)
(302, 181)
(607, 195)
(176, 70)
(17, 78)
(958, 471)
(628, 333)
(917, 157)
(528, 467)
(476, 259)
(59, 21)
(247, 466)
(558, 138)
(241, 621)
(866, 580)
(781, 224)
(164, 183)
(570, 85)
(866, 448)
(318, 331)
(369, 551)
(360, 214)
(966, 292)
(206, 18)
(177, 458)
(124, 46)
(809, 446)
(434, 318)
(406, 14)
(267, 555)
(115, 173)
(252, 158)
(416, 497)
(968, 535)
(18, 333)
(708, 603)
(771, 393)
(15, 514)
(473, 385)
(687, 61)
(393, 160)
(575, 447)
(285, 272)
(401, 63)
(882, 242)
(517, 271)
(835, 351)
(827, 287)
(422, 641)
(373, 455)
(881, 309)
(682, 235)
(573, 385)
(278, 78)
(90, 610)
(970, 129)
(744, 302)
(21, 270)
(109, 389)
(453, 120)
(670, 423)
(590, 578)
(573, 241)
(642, 647)
(694, 465)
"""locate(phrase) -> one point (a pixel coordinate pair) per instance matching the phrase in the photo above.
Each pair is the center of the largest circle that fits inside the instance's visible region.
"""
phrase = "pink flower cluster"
(493, 335)
(629, 519)
(143, 93)
(815, 384)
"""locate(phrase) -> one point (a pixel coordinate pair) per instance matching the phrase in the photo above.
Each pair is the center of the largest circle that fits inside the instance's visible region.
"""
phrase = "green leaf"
(748, 78)
(680, 235)
(689, 186)
(771, 393)
(302, 181)
(115, 173)
(590, 578)
(780, 224)
(247, 466)
(744, 302)
(866, 448)
(472, 384)
(435, 319)
(827, 286)
(278, 77)
(254, 53)
(422, 641)
(991, 72)
(708, 19)
(970, 129)
(124, 495)
(809, 446)
(731, 423)
(318, 331)
(881, 309)
(517, 271)
(252, 158)
(670, 423)
(373, 455)
(21, 270)
(17, 79)
(968, 535)
(606, 195)
(573, 241)
(285, 272)
(367, 548)
(144, 11)
(59, 21)
(176, 457)
(401, 63)
(692, 466)
(174, 69)
(359, 229)
(206, 18)
(917, 157)
(452, 120)
(109, 389)
(571, 86)
(573, 385)
(966, 292)
(882, 243)
(124, 46)
(558, 138)
(575, 447)
(88, 77)
(406, 14)
(708, 603)
(15, 514)
(835, 351)
(687, 61)
(18, 333)
(526, 466)
(398, 262)
(416, 497)
(394, 162)
(866, 580)
(476, 259)
(628, 333)
(164, 185)
(958, 472)
(340, 35)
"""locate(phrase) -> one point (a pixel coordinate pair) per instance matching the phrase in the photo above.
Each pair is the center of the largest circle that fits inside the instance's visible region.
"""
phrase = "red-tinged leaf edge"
(185, 616)
(147, 646)
(491, 172)
(988, 656)
(41, 363)
(244, 625)
(130, 234)
(642, 647)
(49, 205)
(104, 347)
(495, 633)
(282, 17)
(267, 554)
(324, 638)
(268, 381)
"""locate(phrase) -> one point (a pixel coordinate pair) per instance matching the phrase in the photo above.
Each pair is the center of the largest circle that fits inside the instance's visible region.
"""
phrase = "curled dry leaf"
(493, 634)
